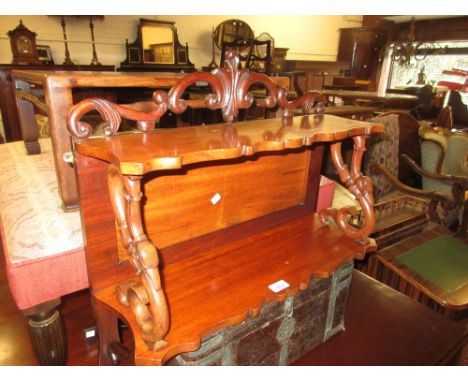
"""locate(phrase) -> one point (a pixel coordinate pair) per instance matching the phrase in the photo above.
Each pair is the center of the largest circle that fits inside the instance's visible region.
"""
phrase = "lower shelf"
(225, 286)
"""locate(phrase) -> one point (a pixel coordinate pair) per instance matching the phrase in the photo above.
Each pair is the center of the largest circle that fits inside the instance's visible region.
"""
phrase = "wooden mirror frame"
(135, 52)
(242, 31)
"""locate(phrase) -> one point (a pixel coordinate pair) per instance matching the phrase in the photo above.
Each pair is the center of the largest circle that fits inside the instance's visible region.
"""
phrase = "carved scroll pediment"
(230, 91)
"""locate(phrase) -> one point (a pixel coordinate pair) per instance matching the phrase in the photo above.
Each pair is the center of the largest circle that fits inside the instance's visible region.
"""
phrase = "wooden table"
(371, 98)
(387, 328)
(58, 88)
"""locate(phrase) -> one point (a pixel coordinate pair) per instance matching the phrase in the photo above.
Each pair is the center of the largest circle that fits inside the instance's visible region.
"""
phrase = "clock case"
(23, 36)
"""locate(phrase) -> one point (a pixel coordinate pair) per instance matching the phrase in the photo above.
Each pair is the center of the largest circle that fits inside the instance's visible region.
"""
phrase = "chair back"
(443, 152)
(459, 109)
(383, 149)
(254, 54)
(400, 136)
(445, 118)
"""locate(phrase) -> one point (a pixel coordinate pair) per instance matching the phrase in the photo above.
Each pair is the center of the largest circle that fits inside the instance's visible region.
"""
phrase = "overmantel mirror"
(157, 48)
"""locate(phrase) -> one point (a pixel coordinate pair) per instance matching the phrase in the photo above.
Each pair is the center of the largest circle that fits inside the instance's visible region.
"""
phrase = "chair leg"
(47, 333)
(110, 348)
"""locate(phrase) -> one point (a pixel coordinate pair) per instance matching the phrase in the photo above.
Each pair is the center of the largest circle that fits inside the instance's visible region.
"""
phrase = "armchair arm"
(433, 195)
(450, 178)
(446, 201)
(459, 183)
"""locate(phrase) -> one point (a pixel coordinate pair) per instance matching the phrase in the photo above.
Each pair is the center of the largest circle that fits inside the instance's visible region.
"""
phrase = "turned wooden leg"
(47, 333)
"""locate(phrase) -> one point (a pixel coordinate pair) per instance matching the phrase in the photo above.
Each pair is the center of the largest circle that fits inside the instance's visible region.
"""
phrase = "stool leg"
(47, 333)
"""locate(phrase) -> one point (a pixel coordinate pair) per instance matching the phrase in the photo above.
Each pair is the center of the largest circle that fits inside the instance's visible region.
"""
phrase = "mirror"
(232, 30)
(261, 49)
(158, 44)
(157, 48)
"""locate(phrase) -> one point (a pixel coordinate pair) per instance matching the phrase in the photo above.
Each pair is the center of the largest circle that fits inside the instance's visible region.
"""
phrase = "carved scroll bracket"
(146, 298)
(361, 187)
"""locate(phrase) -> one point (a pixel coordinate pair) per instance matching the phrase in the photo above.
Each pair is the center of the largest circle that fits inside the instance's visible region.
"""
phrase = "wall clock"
(23, 45)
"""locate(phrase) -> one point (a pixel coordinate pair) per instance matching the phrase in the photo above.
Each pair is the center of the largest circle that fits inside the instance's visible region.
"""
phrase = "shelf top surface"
(136, 153)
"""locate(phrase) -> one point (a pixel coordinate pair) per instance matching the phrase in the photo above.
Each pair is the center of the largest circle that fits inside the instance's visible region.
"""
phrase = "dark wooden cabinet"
(316, 73)
(362, 48)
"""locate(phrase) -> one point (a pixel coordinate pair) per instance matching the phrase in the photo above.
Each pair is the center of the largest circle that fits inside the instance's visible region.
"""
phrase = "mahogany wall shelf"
(217, 258)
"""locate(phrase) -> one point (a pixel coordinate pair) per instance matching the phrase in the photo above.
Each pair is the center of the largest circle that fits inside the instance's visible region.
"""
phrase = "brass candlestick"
(213, 60)
(68, 60)
(95, 60)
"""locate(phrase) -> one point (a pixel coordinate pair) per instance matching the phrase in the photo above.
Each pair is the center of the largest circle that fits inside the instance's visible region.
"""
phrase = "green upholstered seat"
(442, 261)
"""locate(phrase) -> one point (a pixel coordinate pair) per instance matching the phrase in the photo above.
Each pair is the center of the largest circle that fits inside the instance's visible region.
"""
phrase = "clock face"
(23, 45)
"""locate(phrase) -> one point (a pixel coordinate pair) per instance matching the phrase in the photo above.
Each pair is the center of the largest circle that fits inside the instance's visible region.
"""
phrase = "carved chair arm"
(431, 175)
(446, 201)
(433, 195)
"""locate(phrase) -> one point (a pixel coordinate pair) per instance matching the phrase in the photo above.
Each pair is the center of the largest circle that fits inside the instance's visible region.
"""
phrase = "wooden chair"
(431, 265)
(425, 108)
(403, 210)
(445, 118)
(250, 55)
(383, 165)
(397, 140)
(459, 109)
(187, 228)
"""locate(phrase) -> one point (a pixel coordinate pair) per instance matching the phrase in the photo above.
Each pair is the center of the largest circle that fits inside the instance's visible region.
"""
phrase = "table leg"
(47, 333)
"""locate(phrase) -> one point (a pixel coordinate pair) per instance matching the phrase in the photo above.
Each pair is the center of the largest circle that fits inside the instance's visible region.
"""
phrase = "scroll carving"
(360, 186)
(230, 87)
(311, 102)
(145, 298)
(230, 92)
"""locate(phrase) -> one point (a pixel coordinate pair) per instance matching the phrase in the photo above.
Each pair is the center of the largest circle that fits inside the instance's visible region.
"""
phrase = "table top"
(94, 79)
(172, 148)
(77, 79)
(387, 328)
(370, 95)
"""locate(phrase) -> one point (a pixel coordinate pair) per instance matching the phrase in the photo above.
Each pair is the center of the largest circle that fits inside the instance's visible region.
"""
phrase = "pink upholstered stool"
(42, 244)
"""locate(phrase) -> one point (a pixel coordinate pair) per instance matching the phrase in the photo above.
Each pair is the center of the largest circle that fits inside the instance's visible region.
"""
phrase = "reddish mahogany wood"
(224, 286)
(162, 187)
(172, 149)
(256, 245)
(58, 88)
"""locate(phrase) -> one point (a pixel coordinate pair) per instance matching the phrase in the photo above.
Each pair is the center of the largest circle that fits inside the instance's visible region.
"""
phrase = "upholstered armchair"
(444, 162)
(431, 266)
(442, 190)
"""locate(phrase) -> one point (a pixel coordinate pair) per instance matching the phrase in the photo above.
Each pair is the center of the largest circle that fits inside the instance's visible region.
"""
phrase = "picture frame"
(44, 54)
